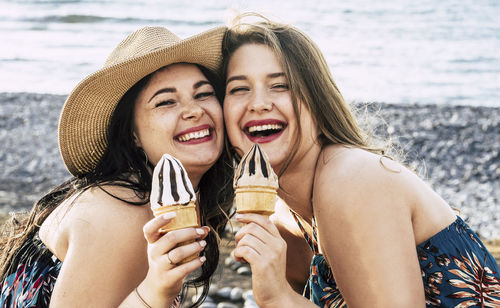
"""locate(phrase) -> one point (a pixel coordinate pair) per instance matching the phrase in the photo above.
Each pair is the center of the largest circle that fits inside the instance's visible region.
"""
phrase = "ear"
(137, 141)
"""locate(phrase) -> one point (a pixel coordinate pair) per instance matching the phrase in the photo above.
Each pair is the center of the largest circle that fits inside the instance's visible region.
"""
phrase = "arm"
(107, 252)
(364, 217)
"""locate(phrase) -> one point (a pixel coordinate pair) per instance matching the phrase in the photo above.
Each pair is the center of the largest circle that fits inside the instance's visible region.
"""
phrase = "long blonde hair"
(309, 79)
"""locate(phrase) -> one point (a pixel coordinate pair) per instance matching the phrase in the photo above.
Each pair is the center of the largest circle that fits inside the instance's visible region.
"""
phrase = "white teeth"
(194, 135)
(259, 128)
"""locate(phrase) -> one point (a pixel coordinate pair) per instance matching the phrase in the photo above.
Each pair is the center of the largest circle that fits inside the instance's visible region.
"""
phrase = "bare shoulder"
(99, 227)
(349, 163)
(97, 212)
(94, 214)
(354, 169)
(354, 183)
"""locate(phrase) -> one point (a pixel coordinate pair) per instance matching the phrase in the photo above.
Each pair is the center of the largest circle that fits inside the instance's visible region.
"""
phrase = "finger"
(261, 220)
(181, 271)
(255, 230)
(253, 242)
(176, 255)
(171, 239)
(151, 229)
(247, 253)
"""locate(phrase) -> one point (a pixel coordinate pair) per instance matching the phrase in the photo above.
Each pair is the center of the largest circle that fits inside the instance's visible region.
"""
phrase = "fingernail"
(203, 243)
(203, 259)
(238, 216)
(169, 215)
(200, 231)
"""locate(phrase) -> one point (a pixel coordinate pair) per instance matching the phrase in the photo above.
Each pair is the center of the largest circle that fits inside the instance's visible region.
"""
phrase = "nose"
(260, 102)
(192, 111)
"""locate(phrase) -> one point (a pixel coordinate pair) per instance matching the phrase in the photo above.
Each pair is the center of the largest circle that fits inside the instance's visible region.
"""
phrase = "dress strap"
(311, 241)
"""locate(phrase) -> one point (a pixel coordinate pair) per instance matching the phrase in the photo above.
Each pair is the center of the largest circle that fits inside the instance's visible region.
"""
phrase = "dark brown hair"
(124, 164)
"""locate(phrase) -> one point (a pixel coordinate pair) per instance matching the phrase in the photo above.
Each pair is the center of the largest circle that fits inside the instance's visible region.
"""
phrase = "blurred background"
(443, 52)
(433, 67)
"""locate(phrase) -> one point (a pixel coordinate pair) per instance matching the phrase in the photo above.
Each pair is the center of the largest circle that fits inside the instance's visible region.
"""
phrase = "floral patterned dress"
(457, 270)
(32, 282)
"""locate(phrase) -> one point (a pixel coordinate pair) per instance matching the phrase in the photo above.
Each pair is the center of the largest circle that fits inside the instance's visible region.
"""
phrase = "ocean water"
(445, 52)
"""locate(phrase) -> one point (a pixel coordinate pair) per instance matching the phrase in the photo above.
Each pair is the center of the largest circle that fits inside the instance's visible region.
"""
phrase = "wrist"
(286, 298)
(151, 298)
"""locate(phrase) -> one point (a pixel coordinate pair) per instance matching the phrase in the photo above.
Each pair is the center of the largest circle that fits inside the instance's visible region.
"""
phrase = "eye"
(203, 95)
(280, 86)
(165, 103)
(238, 89)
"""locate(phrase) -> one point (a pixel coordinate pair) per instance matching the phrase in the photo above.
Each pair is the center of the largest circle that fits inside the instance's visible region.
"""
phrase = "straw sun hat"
(87, 111)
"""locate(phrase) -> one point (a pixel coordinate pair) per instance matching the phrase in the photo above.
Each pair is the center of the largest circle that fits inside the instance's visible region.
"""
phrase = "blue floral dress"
(32, 282)
(457, 270)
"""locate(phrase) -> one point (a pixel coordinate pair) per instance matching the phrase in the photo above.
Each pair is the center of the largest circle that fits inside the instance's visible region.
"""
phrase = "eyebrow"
(201, 83)
(164, 90)
(243, 77)
(173, 90)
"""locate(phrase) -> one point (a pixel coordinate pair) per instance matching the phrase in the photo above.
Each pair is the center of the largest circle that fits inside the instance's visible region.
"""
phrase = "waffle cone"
(255, 199)
(186, 217)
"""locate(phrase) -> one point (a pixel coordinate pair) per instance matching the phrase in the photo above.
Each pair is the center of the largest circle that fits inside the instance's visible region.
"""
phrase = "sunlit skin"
(360, 200)
(178, 113)
(258, 106)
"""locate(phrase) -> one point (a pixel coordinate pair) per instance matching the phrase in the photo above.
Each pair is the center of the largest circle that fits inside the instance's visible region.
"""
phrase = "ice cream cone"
(255, 199)
(255, 184)
(172, 191)
(186, 216)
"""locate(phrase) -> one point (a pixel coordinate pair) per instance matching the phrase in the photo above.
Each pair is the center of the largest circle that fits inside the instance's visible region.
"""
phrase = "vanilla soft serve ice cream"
(255, 183)
(172, 191)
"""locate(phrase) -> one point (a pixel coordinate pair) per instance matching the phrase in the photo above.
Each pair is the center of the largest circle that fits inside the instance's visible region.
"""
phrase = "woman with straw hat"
(93, 241)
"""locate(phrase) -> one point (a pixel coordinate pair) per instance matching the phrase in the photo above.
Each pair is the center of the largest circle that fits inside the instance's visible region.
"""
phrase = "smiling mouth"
(265, 130)
(194, 135)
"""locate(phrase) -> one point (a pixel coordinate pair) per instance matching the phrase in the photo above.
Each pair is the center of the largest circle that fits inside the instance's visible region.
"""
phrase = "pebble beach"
(456, 149)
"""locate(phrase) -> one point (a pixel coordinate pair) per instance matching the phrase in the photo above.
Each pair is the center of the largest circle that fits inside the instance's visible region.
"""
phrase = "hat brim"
(87, 111)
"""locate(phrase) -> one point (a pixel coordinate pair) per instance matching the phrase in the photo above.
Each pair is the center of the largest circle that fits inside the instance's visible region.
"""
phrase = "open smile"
(263, 131)
(195, 135)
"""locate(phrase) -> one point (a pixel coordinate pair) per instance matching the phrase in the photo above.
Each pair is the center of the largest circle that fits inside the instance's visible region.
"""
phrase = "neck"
(196, 173)
(195, 180)
(296, 183)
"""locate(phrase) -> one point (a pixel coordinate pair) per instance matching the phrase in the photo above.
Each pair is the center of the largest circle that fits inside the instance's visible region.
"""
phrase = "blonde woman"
(379, 235)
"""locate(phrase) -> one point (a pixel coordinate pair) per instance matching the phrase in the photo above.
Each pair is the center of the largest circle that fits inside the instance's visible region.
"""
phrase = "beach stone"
(236, 294)
(248, 295)
(244, 270)
(236, 265)
(225, 292)
(229, 261)
(208, 299)
(226, 305)
(213, 289)
(250, 304)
